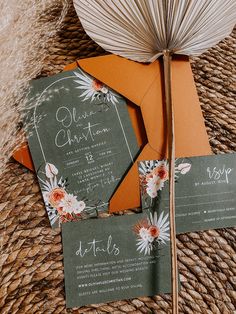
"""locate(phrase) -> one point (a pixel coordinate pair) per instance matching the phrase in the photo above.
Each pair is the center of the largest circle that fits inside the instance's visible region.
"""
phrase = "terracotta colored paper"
(142, 85)
(23, 156)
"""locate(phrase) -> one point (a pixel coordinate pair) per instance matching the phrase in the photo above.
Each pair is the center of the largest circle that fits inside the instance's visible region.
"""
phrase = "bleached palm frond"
(141, 30)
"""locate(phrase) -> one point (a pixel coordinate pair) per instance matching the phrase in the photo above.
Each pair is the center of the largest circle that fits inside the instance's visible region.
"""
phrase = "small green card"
(205, 191)
(116, 258)
(82, 143)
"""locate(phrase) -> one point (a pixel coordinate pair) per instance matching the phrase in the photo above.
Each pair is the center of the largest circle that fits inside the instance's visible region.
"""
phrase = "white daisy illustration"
(144, 244)
(152, 232)
(154, 184)
(159, 228)
(81, 206)
(70, 204)
(94, 89)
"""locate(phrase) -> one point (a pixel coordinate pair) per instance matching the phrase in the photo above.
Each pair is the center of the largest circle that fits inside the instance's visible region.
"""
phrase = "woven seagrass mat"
(31, 253)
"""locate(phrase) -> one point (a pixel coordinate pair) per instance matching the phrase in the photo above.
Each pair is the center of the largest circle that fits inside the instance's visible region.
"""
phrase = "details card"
(82, 143)
(205, 191)
(116, 258)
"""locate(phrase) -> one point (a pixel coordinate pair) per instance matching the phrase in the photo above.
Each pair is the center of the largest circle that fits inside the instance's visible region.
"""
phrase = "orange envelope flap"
(143, 85)
(127, 195)
(130, 79)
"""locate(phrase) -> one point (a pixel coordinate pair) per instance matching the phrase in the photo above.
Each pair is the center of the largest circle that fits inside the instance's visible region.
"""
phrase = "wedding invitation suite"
(205, 191)
(82, 143)
(116, 258)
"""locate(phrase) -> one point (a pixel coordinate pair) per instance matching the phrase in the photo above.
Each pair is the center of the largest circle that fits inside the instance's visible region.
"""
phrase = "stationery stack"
(98, 146)
(84, 146)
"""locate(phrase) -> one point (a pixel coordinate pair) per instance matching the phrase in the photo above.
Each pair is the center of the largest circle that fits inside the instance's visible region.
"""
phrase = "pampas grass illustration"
(26, 31)
(144, 30)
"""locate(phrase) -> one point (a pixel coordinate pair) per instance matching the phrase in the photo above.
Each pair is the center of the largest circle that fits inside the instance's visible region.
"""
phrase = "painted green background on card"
(90, 141)
(205, 196)
(138, 275)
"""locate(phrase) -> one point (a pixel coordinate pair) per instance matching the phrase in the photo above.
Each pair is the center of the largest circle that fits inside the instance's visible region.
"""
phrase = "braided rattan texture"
(31, 262)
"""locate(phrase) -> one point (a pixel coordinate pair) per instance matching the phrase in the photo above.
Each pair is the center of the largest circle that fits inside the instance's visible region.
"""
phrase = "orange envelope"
(142, 85)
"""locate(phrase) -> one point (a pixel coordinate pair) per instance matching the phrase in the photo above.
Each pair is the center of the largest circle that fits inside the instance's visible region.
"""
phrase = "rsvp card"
(116, 258)
(82, 143)
(205, 191)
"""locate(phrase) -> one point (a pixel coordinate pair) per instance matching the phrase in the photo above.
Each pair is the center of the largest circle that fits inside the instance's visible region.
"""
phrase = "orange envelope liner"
(142, 85)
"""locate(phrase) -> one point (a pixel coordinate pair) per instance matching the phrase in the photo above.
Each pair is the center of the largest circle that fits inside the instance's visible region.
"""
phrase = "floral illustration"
(51, 170)
(152, 232)
(69, 204)
(154, 174)
(61, 205)
(183, 168)
(94, 89)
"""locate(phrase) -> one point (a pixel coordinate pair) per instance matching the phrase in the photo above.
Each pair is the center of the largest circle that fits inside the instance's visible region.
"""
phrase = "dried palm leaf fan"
(144, 30)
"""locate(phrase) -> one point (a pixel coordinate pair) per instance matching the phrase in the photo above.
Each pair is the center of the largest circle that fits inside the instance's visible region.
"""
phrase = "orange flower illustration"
(151, 232)
(97, 85)
(55, 196)
(154, 231)
(162, 172)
